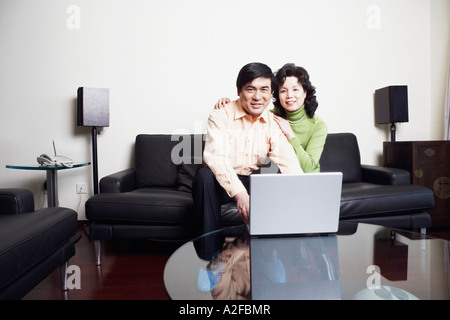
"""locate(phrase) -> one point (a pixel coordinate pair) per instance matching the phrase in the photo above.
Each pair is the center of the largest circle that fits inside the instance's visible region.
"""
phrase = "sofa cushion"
(158, 156)
(28, 238)
(186, 175)
(167, 206)
(341, 154)
(403, 221)
(365, 199)
(153, 163)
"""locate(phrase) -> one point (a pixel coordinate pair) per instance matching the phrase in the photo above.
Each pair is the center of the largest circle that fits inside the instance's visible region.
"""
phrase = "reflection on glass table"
(52, 177)
(360, 261)
(295, 268)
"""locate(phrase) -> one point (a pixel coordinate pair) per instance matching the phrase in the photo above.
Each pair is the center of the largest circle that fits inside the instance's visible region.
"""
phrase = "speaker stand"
(94, 158)
(393, 132)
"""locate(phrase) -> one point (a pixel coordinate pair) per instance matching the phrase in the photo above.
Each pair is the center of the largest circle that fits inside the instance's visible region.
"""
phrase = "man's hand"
(243, 205)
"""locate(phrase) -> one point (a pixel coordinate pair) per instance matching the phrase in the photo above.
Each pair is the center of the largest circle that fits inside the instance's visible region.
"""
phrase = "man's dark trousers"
(208, 198)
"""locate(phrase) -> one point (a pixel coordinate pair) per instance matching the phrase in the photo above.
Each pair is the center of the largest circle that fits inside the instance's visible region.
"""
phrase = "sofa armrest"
(16, 200)
(385, 175)
(122, 181)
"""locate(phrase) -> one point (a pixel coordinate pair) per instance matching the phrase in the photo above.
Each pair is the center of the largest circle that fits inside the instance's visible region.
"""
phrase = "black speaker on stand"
(93, 111)
(391, 106)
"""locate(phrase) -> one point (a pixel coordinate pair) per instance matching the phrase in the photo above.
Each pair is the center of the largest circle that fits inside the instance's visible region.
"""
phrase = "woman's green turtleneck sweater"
(310, 136)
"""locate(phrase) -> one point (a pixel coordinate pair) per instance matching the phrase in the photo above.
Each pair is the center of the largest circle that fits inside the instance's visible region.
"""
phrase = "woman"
(295, 106)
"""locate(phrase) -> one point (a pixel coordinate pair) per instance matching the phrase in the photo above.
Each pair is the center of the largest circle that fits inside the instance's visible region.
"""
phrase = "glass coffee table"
(360, 261)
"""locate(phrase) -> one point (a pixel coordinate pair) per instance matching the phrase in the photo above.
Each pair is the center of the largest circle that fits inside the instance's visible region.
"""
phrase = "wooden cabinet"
(429, 165)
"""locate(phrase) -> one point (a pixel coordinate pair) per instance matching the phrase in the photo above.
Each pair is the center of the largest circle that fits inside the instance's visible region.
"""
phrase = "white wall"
(167, 62)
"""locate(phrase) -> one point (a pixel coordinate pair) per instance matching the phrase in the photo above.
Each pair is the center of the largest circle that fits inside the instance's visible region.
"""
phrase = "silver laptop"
(295, 204)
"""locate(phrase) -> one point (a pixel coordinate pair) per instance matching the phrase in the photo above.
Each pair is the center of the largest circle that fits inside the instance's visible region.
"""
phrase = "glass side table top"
(37, 166)
(361, 261)
(52, 177)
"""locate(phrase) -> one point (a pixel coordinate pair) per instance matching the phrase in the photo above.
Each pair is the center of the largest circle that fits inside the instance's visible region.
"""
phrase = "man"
(239, 139)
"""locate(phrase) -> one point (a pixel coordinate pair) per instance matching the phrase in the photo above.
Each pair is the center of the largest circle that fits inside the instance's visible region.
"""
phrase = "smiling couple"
(242, 133)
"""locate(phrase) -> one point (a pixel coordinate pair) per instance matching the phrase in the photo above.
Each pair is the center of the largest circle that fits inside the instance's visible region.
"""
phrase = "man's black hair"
(251, 71)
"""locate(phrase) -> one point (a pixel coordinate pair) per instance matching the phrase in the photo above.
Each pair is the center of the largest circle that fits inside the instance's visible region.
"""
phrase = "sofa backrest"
(158, 157)
(341, 154)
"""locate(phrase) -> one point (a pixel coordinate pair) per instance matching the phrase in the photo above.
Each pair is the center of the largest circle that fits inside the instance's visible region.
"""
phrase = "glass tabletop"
(360, 261)
(51, 168)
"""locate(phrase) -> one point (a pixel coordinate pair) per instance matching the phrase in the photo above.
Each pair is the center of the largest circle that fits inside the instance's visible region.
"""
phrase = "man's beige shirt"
(237, 145)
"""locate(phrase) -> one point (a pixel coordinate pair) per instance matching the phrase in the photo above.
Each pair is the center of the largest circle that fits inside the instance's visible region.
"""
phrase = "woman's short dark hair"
(251, 71)
(291, 70)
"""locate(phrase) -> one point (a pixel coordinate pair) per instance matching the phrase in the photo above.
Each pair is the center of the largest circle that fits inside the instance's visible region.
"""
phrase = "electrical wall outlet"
(81, 188)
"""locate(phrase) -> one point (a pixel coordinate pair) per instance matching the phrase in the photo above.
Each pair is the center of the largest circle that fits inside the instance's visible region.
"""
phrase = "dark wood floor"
(129, 271)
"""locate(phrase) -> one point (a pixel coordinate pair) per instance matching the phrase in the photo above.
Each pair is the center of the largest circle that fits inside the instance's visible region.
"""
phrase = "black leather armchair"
(32, 243)
(153, 199)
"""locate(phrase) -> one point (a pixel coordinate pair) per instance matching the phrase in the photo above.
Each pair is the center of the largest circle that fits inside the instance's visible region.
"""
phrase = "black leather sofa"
(32, 243)
(153, 199)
